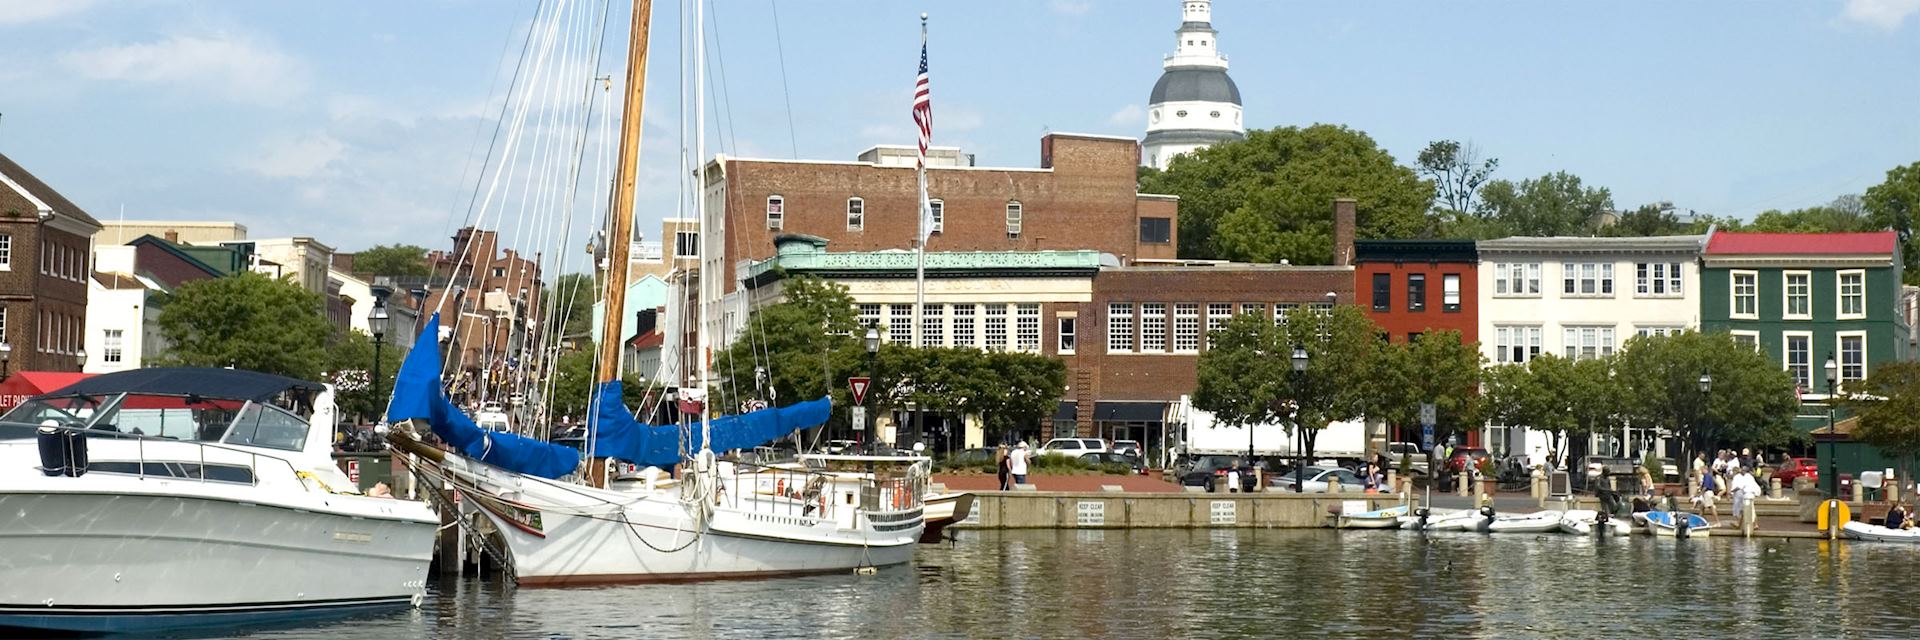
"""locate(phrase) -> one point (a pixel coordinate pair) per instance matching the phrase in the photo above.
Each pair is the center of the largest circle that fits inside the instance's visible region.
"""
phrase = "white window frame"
(1120, 335)
(1066, 333)
(870, 314)
(1840, 294)
(965, 316)
(939, 208)
(113, 346)
(996, 330)
(1186, 327)
(1449, 292)
(6, 252)
(1658, 330)
(1586, 279)
(1786, 355)
(1588, 341)
(691, 240)
(1840, 357)
(776, 212)
(933, 325)
(1786, 295)
(1733, 294)
(1218, 315)
(1525, 337)
(1015, 213)
(1153, 327)
(856, 214)
(1516, 279)
(1737, 334)
(1657, 280)
(1028, 335)
(899, 327)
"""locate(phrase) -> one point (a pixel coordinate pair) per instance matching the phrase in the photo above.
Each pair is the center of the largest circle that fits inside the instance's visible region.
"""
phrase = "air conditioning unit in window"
(775, 223)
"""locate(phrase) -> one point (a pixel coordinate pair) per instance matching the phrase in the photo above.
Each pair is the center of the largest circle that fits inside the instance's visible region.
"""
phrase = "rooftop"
(1870, 243)
(1581, 244)
(14, 175)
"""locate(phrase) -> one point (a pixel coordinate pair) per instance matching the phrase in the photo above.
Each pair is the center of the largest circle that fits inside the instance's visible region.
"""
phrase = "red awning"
(27, 384)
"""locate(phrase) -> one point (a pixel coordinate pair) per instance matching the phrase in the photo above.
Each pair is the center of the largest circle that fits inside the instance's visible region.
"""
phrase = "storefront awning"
(26, 384)
(1118, 411)
(1067, 412)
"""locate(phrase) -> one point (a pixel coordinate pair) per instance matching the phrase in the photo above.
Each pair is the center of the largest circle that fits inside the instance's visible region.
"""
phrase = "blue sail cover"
(417, 395)
(618, 435)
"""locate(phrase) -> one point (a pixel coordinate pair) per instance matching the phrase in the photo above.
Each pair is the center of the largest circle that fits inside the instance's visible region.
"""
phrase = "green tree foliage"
(574, 381)
(392, 260)
(1437, 368)
(1270, 197)
(1007, 390)
(1457, 171)
(1893, 205)
(1247, 376)
(1556, 204)
(1888, 404)
(1751, 403)
(347, 361)
(573, 295)
(1560, 397)
(1845, 214)
(247, 321)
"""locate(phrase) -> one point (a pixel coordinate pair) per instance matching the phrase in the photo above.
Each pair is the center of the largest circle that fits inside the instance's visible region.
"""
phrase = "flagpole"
(926, 213)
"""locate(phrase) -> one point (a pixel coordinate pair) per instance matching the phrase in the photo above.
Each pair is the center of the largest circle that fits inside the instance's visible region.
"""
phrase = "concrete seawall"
(1113, 510)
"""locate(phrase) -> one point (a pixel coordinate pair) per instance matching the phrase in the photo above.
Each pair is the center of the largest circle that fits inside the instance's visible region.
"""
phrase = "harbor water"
(1230, 583)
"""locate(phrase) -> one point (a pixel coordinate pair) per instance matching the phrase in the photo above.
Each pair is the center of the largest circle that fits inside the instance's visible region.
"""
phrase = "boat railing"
(898, 493)
(225, 466)
(794, 492)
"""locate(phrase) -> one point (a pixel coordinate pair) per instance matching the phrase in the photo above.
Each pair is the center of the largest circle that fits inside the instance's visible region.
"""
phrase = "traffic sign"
(859, 418)
(1428, 416)
(1426, 438)
(859, 386)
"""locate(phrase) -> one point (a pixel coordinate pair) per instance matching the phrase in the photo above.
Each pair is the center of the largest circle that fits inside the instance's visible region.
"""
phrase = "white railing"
(141, 459)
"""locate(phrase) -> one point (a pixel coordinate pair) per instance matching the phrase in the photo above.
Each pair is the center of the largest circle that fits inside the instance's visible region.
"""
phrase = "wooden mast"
(620, 231)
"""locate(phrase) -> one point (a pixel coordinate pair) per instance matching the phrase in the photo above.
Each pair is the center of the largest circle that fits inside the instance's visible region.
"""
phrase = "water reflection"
(1221, 583)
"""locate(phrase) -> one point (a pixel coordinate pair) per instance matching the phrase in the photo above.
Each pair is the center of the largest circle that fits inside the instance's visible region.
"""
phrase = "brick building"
(498, 291)
(45, 265)
(1412, 286)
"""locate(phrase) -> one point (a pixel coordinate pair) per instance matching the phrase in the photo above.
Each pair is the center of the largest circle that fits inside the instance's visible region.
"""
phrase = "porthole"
(1180, 114)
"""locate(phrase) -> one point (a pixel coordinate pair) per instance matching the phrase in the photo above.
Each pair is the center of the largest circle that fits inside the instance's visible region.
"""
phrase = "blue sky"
(356, 122)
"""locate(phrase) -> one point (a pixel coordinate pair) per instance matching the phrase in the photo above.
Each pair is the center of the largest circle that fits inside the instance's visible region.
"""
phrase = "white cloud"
(25, 11)
(229, 67)
(303, 157)
(1071, 7)
(1886, 15)
(1128, 116)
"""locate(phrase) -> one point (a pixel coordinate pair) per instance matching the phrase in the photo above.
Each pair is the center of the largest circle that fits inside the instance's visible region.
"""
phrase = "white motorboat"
(1663, 524)
(1586, 522)
(1877, 533)
(942, 510)
(1465, 520)
(157, 499)
(1388, 518)
(1537, 522)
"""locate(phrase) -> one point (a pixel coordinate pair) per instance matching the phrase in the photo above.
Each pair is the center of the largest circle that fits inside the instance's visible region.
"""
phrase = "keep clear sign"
(858, 416)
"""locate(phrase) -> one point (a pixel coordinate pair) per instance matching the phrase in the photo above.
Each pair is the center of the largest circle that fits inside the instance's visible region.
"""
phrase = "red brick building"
(501, 296)
(45, 264)
(1412, 286)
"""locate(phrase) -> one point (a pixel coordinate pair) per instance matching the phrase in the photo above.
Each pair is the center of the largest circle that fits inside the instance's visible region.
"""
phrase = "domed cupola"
(1195, 103)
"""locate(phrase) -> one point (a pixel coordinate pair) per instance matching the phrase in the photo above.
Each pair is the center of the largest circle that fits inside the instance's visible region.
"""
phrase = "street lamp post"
(6, 360)
(1706, 410)
(377, 324)
(1299, 433)
(873, 352)
(1833, 462)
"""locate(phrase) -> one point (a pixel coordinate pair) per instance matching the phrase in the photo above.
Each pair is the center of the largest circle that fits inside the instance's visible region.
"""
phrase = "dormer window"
(776, 212)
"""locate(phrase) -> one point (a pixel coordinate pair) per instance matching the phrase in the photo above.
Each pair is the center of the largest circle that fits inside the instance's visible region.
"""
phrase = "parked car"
(1074, 447)
(1416, 458)
(1793, 468)
(1127, 446)
(1111, 457)
(1319, 479)
(1463, 456)
(1202, 470)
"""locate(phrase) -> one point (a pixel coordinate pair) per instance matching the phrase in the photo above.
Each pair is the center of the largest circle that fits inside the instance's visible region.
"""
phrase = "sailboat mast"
(712, 251)
(620, 217)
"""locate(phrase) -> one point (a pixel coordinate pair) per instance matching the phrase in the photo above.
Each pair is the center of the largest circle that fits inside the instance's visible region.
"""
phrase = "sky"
(363, 123)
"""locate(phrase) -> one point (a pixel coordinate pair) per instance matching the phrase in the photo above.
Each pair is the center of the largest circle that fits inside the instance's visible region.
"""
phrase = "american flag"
(923, 104)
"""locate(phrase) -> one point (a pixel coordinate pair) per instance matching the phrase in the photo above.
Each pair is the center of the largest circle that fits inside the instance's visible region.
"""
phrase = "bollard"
(1890, 488)
(1393, 482)
(1859, 491)
(1749, 517)
(1333, 485)
(1693, 485)
(1463, 480)
(1773, 488)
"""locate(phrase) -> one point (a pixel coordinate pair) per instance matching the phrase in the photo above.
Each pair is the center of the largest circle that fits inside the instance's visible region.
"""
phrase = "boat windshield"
(187, 418)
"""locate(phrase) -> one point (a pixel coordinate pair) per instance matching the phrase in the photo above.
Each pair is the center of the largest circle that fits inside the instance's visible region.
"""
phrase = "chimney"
(173, 236)
(1343, 232)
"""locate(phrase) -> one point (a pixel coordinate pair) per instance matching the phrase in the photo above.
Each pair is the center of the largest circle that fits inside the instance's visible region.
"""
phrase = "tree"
(1844, 215)
(1556, 204)
(1751, 402)
(1456, 171)
(1270, 197)
(1894, 204)
(1438, 368)
(1651, 220)
(247, 321)
(349, 367)
(1888, 404)
(1247, 376)
(572, 296)
(392, 260)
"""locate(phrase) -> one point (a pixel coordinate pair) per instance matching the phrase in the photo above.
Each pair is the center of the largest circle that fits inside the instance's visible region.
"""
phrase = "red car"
(1462, 456)
(1808, 468)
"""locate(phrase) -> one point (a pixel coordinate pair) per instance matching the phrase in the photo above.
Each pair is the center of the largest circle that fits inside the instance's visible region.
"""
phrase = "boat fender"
(53, 451)
(76, 453)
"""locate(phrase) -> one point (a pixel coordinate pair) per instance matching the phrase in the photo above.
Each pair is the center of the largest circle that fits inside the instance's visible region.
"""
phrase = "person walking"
(1002, 461)
(1745, 491)
(1017, 463)
(1233, 478)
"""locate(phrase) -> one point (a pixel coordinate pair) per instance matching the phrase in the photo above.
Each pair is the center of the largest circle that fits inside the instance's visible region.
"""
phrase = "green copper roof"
(808, 254)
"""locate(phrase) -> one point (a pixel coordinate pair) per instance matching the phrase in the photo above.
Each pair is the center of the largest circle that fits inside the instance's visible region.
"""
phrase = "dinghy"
(1387, 518)
(1475, 520)
(1877, 533)
(1662, 523)
(1586, 522)
(1538, 522)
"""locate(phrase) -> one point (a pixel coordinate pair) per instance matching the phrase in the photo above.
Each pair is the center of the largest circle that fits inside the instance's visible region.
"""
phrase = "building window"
(6, 252)
(1799, 357)
(1282, 310)
(110, 342)
(776, 212)
(1253, 309)
(1156, 230)
(996, 327)
(1153, 327)
(1119, 327)
(1587, 278)
(1218, 313)
(1584, 343)
(686, 244)
(1064, 328)
(1746, 294)
(1516, 278)
(1026, 336)
(1853, 357)
(1516, 344)
(900, 323)
(939, 209)
(1853, 294)
(1416, 292)
(1658, 331)
(963, 335)
(869, 317)
(1186, 327)
(1656, 279)
(499, 272)
(1450, 292)
(856, 214)
(1748, 339)
(1382, 291)
(3, 323)
(1013, 219)
(1799, 294)
(933, 325)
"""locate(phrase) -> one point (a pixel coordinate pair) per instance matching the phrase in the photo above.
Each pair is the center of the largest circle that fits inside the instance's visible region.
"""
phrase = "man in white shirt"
(1017, 463)
(1745, 491)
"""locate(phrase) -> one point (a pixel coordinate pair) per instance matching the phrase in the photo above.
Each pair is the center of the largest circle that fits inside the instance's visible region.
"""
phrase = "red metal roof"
(1876, 242)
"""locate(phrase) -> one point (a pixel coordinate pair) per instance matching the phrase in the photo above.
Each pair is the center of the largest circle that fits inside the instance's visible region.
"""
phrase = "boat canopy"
(204, 382)
(618, 435)
(419, 395)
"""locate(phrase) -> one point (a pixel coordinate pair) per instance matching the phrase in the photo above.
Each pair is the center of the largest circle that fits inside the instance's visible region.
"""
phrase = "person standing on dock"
(1017, 463)
(1002, 462)
(1745, 491)
(1233, 478)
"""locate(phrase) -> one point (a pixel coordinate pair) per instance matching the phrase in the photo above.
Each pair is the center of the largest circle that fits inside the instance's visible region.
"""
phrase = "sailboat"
(562, 522)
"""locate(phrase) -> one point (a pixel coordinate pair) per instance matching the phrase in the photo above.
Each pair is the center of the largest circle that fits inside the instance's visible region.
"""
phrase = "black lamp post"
(377, 324)
(873, 353)
(1706, 410)
(6, 360)
(1299, 434)
(1833, 462)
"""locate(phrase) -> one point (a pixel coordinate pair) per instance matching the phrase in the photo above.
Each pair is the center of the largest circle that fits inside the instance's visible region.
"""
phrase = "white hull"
(1877, 533)
(1698, 529)
(1541, 522)
(1388, 518)
(942, 511)
(1584, 522)
(564, 534)
(107, 552)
